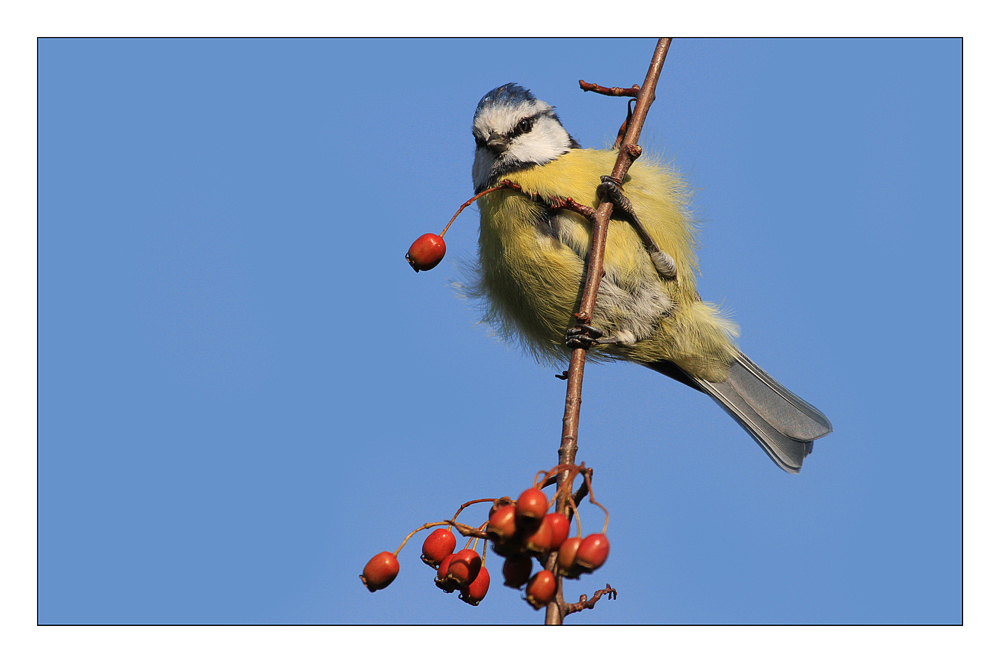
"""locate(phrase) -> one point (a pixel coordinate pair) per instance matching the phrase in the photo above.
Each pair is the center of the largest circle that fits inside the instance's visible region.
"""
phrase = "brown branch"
(585, 488)
(573, 206)
(610, 91)
(628, 153)
(617, 92)
(553, 203)
(588, 604)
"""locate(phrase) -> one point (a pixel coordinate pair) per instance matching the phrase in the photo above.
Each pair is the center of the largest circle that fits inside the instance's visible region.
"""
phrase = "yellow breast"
(532, 266)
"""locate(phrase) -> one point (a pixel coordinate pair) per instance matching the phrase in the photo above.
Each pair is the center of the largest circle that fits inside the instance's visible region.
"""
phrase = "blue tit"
(532, 261)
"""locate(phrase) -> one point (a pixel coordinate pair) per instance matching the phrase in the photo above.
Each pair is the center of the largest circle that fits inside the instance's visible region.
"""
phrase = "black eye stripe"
(521, 128)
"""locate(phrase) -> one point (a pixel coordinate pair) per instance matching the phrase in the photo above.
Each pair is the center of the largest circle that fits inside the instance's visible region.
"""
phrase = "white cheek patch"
(546, 141)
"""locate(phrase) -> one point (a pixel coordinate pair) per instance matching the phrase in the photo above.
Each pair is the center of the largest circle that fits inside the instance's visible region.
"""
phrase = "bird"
(532, 260)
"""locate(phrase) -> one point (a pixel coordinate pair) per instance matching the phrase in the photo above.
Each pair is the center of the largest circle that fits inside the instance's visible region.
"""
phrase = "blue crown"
(510, 94)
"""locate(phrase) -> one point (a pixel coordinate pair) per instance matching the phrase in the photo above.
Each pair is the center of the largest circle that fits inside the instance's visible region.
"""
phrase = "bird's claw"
(611, 189)
(583, 336)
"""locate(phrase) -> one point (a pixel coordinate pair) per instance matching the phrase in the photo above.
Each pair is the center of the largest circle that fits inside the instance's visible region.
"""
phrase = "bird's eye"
(479, 141)
(524, 125)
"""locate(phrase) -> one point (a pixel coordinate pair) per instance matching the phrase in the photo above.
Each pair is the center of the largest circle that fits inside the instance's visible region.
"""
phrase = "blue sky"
(245, 392)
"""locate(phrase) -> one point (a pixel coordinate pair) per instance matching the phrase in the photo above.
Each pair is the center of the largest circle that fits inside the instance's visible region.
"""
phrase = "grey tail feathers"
(783, 424)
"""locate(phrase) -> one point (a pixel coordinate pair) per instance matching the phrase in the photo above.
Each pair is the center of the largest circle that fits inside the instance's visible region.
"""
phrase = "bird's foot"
(611, 189)
(586, 337)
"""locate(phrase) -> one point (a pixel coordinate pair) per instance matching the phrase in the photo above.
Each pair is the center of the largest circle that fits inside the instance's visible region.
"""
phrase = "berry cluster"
(521, 532)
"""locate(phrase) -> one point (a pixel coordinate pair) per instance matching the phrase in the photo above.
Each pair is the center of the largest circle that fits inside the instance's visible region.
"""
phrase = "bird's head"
(514, 130)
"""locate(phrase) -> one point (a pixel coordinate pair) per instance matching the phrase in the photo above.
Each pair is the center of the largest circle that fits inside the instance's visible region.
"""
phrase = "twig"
(624, 127)
(588, 604)
(628, 153)
(611, 91)
(553, 203)
(585, 488)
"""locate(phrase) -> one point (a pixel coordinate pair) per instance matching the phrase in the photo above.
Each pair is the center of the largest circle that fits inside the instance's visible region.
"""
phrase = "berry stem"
(607, 516)
(563, 491)
(410, 535)
(502, 185)
(474, 540)
(572, 505)
(567, 484)
(482, 528)
(465, 530)
(468, 504)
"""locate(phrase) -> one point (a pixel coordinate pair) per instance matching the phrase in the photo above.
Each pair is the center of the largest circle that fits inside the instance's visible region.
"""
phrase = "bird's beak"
(497, 143)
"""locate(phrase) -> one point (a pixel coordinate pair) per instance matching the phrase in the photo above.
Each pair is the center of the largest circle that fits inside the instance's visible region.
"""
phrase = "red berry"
(593, 552)
(567, 557)
(442, 580)
(443, 568)
(439, 544)
(541, 540)
(500, 503)
(464, 566)
(560, 528)
(516, 571)
(426, 252)
(530, 509)
(541, 589)
(501, 526)
(380, 571)
(477, 589)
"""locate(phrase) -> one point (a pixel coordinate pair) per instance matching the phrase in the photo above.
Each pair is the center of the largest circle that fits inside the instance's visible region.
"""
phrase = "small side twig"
(624, 127)
(553, 203)
(588, 604)
(617, 92)
(610, 91)
(573, 206)
(584, 489)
